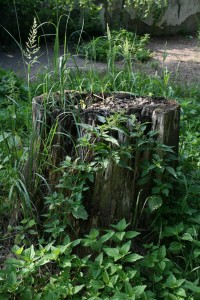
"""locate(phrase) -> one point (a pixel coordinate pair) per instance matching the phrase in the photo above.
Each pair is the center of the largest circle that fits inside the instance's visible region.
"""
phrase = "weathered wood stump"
(114, 194)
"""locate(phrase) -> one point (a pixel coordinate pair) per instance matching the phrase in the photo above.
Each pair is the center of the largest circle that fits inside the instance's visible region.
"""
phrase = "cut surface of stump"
(115, 192)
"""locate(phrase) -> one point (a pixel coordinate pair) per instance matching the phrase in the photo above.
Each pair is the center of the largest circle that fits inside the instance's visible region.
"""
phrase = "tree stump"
(115, 192)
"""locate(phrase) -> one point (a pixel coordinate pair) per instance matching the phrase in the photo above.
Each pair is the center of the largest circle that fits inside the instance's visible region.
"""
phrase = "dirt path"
(180, 55)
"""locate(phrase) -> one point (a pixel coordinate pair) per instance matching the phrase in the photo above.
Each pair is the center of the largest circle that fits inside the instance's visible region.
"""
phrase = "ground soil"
(180, 55)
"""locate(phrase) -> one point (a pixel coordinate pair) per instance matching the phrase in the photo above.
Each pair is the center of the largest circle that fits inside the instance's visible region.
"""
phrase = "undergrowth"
(122, 42)
(120, 262)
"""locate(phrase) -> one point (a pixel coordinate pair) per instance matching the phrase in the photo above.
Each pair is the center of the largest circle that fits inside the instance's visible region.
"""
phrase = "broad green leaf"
(125, 248)
(121, 225)
(128, 288)
(86, 126)
(171, 171)
(139, 290)
(27, 294)
(131, 273)
(173, 230)
(110, 139)
(80, 213)
(187, 237)
(162, 265)
(154, 202)
(99, 258)
(132, 257)
(12, 280)
(4, 136)
(93, 234)
(15, 262)
(119, 235)
(181, 292)
(29, 253)
(112, 252)
(162, 252)
(17, 250)
(131, 234)
(31, 223)
(97, 284)
(104, 238)
(105, 277)
(172, 282)
(78, 288)
(192, 286)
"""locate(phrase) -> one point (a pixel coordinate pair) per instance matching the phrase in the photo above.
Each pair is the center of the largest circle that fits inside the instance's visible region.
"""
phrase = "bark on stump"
(114, 193)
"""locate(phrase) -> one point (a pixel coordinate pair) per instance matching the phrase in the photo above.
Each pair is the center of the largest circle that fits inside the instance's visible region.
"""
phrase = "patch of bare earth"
(181, 57)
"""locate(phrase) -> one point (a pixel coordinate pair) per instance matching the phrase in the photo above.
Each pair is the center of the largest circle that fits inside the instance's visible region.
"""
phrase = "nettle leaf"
(99, 258)
(110, 139)
(29, 254)
(172, 282)
(196, 253)
(154, 202)
(12, 279)
(121, 225)
(15, 262)
(125, 248)
(104, 238)
(97, 284)
(171, 171)
(93, 234)
(131, 234)
(193, 286)
(80, 213)
(118, 236)
(4, 136)
(78, 288)
(105, 277)
(112, 252)
(128, 288)
(181, 292)
(173, 230)
(86, 126)
(187, 237)
(17, 250)
(138, 290)
(132, 257)
(162, 252)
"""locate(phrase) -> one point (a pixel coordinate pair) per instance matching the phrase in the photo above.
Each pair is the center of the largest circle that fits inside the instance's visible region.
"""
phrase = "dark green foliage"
(113, 271)
(17, 18)
(160, 263)
(122, 43)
